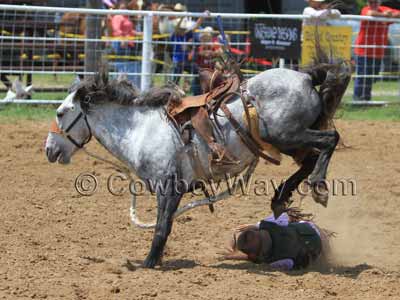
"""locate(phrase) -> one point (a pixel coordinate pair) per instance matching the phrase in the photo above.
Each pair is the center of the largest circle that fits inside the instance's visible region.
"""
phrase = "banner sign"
(335, 40)
(275, 38)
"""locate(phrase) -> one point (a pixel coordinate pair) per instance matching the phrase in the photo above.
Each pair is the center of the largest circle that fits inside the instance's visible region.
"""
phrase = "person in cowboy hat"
(205, 55)
(319, 13)
(184, 32)
(180, 7)
(283, 243)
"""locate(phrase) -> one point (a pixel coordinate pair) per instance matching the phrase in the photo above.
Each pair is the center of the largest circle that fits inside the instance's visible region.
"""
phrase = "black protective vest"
(298, 241)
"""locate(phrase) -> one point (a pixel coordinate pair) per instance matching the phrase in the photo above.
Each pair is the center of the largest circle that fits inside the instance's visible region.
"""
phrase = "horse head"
(70, 131)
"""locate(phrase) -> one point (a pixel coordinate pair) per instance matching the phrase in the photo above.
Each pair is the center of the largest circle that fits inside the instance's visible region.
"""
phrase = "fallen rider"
(282, 243)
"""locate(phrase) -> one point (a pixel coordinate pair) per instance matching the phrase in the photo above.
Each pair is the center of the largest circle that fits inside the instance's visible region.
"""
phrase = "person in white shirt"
(319, 13)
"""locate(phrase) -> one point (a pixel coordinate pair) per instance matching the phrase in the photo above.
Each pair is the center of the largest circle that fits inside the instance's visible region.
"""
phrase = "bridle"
(54, 128)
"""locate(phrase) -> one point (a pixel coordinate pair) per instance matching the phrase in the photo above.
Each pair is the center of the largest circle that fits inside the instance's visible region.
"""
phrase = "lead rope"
(118, 167)
(127, 172)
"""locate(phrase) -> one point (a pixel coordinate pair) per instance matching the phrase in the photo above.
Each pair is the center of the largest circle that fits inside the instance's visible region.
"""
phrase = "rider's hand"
(223, 254)
(207, 13)
(245, 227)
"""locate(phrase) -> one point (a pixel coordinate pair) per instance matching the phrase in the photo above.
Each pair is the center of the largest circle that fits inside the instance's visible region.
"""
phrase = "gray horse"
(293, 116)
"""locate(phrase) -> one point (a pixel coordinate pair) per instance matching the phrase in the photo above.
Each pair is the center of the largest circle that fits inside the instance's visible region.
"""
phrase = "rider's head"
(254, 243)
(249, 242)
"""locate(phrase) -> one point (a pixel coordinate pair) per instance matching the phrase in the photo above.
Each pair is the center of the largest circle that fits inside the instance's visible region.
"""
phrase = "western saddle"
(193, 112)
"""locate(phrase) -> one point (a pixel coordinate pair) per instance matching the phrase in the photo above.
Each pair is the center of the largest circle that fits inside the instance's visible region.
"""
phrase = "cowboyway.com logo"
(119, 184)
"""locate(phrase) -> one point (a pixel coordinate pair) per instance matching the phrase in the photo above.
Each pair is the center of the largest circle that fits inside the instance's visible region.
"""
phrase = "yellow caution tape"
(120, 38)
(249, 71)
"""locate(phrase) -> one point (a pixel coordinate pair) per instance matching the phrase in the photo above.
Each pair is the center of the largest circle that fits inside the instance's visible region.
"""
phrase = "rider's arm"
(283, 264)
(236, 256)
(283, 220)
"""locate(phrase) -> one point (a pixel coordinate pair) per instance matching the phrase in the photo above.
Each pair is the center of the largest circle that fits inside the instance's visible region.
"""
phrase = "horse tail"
(332, 76)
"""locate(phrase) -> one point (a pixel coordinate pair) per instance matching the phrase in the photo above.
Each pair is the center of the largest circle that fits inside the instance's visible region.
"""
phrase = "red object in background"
(246, 52)
(372, 33)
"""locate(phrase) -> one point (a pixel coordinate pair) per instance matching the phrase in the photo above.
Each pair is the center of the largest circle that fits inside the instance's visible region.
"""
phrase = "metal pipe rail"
(146, 42)
(105, 12)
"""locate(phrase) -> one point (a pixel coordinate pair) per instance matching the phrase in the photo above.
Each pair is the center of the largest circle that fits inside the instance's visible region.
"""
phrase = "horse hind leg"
(316, 167)
(284, 192)
(326, 142)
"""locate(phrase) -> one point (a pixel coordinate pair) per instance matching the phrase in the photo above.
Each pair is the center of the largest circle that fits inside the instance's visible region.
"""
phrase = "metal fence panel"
(47, 45)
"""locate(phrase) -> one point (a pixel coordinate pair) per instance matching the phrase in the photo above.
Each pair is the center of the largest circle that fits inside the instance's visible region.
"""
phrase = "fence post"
(281, 63)
(146, 52)
(93, 31)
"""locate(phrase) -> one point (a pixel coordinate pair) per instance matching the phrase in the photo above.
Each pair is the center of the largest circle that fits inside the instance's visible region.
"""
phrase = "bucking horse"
(294, 111)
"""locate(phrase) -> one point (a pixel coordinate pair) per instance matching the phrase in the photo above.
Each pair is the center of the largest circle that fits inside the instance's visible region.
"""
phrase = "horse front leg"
(167, 204)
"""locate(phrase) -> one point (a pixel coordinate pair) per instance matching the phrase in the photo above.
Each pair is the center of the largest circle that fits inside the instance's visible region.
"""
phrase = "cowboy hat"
(185, 24)
(206, 31)
(180, 7)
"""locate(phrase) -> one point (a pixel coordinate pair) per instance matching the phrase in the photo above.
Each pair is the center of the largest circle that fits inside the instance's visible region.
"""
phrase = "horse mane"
(99, 89)
(158, 97)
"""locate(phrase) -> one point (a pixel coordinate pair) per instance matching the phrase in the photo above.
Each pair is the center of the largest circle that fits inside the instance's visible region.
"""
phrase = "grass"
(383, 91)
(388, 113)
(16, 112)
(387, 91)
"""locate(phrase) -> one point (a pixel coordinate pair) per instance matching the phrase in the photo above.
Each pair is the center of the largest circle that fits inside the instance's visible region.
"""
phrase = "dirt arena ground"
(57, 244)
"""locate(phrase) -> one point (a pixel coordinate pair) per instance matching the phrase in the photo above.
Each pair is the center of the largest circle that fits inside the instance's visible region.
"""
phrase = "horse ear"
(74, 85)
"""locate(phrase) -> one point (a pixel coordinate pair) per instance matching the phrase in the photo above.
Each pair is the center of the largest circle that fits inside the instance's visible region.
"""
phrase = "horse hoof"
(278, 209)
(150, 263)
(320, 195)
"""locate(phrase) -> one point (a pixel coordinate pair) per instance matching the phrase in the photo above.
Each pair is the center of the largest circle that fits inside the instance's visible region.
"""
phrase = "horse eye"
(72, 108)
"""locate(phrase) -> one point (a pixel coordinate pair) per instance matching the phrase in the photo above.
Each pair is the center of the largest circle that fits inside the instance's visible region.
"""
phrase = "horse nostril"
(47, 151)
(60, 114)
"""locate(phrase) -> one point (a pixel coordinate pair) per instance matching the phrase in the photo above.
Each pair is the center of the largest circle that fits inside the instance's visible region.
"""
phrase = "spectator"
(205, 55)
(184, 33)
(123, 27)
(208, 50)
(319, 13)
(109, 3)
(369, 59)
